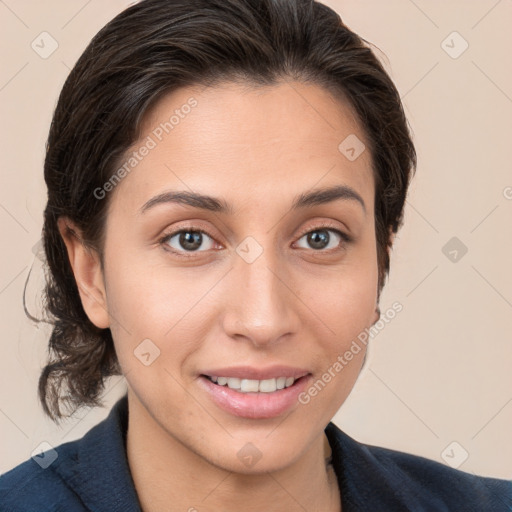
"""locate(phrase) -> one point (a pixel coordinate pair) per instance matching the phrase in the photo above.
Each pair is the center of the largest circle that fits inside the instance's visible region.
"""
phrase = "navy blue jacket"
(92, 474)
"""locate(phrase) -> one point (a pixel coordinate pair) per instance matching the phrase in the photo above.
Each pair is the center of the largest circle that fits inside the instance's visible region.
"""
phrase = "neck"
(170, 477)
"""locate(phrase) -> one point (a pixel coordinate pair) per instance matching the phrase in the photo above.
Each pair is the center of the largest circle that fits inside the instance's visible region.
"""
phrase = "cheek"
(151, 330)
(159, 303)
(344, 298)
(348, 312)
(346, 303)
(346, 306)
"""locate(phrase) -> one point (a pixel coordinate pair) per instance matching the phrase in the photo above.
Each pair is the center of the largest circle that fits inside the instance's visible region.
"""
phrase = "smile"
(239, 391)
(253, 385)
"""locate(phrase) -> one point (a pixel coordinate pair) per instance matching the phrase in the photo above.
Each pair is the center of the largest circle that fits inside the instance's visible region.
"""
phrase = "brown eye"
(323, 238)
(188, 240)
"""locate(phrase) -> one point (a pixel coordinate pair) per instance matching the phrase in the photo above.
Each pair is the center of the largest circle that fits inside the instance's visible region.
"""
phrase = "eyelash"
(182, 254)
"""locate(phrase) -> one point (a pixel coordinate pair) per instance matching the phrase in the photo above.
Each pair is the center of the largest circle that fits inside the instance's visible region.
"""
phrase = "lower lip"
(254, 405)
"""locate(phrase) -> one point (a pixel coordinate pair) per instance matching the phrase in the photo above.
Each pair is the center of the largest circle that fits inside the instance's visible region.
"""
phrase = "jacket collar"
(366, 481)
(353, 464)
(103, 449)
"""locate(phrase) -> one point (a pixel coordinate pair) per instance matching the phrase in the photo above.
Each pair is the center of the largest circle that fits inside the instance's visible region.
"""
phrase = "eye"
(187, 240)
(321, 239)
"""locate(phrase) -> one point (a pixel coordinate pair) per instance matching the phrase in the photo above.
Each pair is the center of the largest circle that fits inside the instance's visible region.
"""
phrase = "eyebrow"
(213, 204)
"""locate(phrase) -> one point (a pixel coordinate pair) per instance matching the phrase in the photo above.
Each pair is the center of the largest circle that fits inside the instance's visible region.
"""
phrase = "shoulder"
(33, 485)
(413, 481)
(429, 478)
(91, 473)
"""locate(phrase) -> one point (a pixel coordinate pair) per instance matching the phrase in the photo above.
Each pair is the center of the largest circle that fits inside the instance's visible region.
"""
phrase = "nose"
(264, 305)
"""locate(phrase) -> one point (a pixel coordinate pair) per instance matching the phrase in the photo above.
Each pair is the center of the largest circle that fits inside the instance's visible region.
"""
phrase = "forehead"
(248, 143)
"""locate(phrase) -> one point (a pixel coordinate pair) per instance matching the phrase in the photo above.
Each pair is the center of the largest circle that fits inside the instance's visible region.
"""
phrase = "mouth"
(253, 385)
(238, 393)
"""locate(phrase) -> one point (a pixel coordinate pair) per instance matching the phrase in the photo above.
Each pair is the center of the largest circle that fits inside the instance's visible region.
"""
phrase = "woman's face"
(269, 290)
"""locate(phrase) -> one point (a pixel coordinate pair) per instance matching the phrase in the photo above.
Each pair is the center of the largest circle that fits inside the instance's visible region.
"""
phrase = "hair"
(148, 50)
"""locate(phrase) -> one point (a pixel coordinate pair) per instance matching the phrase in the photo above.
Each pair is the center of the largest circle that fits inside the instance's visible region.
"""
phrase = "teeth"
(268, 385)
(254, 386)
(234, 383)
(280, 382)
(249, 385)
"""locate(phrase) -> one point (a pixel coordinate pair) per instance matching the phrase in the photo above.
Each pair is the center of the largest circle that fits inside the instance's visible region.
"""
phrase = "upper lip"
(251, 372)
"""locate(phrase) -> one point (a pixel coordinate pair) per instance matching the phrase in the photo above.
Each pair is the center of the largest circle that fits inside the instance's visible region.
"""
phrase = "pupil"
(191, 240)
(318, 239)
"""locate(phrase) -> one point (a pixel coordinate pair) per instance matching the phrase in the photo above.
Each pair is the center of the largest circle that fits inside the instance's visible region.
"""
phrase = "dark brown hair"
(150, 49)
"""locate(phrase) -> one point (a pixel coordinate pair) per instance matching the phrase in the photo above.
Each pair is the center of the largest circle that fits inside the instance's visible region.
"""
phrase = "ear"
(376, 315)
(86, 266)
(389, 246)
(391, 238)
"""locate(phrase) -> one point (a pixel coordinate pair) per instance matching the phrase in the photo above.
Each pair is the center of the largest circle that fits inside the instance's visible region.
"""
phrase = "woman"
(225, 179)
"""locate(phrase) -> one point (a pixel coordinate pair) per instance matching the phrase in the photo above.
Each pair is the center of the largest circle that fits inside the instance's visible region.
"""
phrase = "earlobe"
(88, 273)
(391, 239)
(376, 315)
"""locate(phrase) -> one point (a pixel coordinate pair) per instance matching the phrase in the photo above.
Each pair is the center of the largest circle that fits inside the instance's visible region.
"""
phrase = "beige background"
(440, 371)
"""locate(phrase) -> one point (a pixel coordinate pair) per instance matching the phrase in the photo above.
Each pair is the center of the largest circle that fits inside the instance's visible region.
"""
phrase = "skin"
(295, 304)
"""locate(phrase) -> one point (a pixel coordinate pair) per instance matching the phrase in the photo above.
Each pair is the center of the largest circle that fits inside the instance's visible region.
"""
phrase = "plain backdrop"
(438, 379)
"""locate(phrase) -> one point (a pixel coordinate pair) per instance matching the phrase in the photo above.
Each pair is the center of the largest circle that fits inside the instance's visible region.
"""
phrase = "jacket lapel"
(103, 449)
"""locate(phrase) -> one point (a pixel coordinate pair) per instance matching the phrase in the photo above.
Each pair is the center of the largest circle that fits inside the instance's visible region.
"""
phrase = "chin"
(254, 459)
(262, 448)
